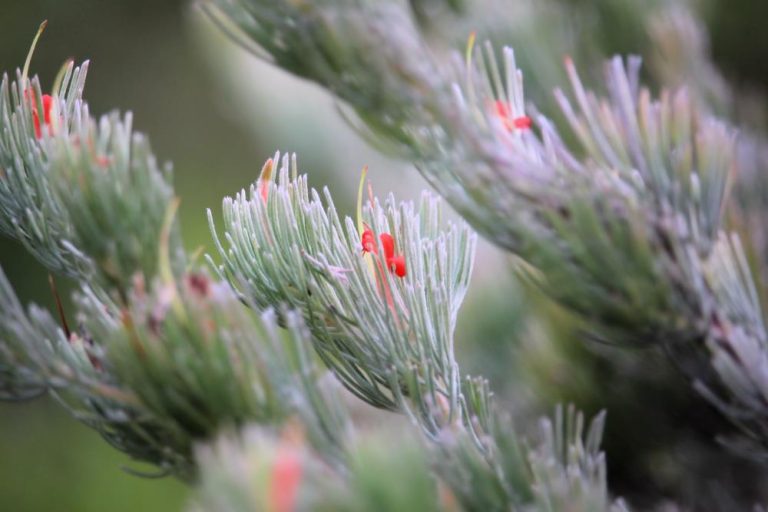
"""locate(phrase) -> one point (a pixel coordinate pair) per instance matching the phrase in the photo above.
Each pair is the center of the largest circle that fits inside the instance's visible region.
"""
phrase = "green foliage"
(86, 197)
(151, 378)
(614, 206)
(261, 470)
(621, 226)
(386, 337)
(390, 339)
(164, 358)
(32, 211)
(176, 367)
(198, 360)
(19, 329)
(116, 199)
(564, 471)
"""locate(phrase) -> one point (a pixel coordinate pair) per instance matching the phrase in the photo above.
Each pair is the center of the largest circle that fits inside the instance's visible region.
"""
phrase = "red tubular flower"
(396, 264)
(47, 101)
(264, 177)
(47, 104)
(285, 480)
(519, 123)
(103, 161)
(264, 190)
(388, 244)
(501, 110)
(369, 241)
(522, 122)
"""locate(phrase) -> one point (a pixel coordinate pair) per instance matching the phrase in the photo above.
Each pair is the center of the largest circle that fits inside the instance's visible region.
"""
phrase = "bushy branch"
(388, 338)
(85, 196)
(622, 225)
(162, 357)
(32, 211)
(617, 216)
(176, 367)
(262, 469)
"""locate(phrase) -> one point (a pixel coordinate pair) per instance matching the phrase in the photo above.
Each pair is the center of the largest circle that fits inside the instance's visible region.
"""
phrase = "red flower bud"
(522, 122)
(396, 264)
(264, 177)
(388, 244)
(369, 241)
(285, 481)
(501, 110)
(47, 101)
(519, 123)
(264, 190)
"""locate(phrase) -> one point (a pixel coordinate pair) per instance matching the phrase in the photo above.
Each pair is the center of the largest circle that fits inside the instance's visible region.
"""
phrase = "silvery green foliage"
(200, 361)
(21, 376)
(116, 198)
(681, 57)
(31, 210)
(259, 469)
(176, 366)
(618, 209)
(161, 357)
(164, 358)
(568, 467)
(38, 357)
(631, 236)
(563, 469)
(365, 68)
(560, 468)
(389, 339)
(86, 196)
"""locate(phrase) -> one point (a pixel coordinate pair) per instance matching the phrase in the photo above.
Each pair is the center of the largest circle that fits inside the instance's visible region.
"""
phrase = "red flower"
(47, 100)
(519, 123)
(395, 264)
(388, 244)
(264, 190)
(264, 177)
(369, 241)
(522, 122)
(285, 480)
(501, 110)
(103, 161)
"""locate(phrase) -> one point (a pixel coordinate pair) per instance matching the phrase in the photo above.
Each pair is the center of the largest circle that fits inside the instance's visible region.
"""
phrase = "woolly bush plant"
(245, 375)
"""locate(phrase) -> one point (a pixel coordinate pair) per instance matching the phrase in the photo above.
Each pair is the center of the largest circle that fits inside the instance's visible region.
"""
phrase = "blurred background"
(217, 113)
